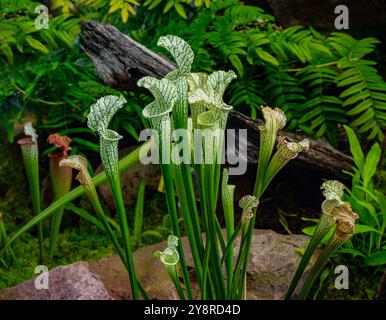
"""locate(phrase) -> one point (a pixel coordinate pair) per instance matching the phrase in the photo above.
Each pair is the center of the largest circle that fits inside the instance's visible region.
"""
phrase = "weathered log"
(120, 61)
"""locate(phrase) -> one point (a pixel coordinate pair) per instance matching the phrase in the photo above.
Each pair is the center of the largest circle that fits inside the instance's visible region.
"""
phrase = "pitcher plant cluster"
(191, 104)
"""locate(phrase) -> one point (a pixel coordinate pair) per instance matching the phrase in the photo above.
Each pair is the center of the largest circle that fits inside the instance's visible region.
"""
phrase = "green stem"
(199, 169)
(122, 217)
(32, 170)
(317, 66)
(236, 290)
(193, 241)
(55, 228)
(316, 269)
(216, 264)
(201, 188)
(3, 240)
(138, 217)
(229, 221)
(190, 195)
(177, 284)
(324, 226)
(94, 199)
(172, 208)
(333, 244)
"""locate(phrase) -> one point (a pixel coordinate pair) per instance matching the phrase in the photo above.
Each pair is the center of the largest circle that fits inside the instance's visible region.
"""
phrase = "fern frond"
(243, 15)
(230, 44)
(284, 91)
(351, 48)
(364, 96)
(322, 112)
(364, 91)
(246, 91)
(296, 42)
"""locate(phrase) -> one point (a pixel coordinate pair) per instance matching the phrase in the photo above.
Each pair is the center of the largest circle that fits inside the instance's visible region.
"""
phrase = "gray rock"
(274, 259)
(273, 262)
(71, 282)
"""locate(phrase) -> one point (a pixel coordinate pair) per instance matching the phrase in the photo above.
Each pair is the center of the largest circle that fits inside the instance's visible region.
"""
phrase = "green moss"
(83, 241)
(14, 194)
(363, 281)
(72, 246)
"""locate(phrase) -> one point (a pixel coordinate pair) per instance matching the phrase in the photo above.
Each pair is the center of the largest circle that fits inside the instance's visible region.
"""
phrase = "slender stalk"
(228, 205)
(33, 178)
(231, 243)
(324, 226)
(94, 199)
(216, 264)
(322, 65)
(106, 224)
(115, 184)
(190, 195)
(4, 238)
(205, 272)
(334, 211)
(193, 241)
(236, 288)
(138, 217)
(172, 208)
(316, 269)
(30, 154)
(122, 217)
(199, 169)
(248, 204)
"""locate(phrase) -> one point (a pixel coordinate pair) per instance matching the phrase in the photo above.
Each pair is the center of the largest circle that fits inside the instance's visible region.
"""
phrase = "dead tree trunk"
(120, 61)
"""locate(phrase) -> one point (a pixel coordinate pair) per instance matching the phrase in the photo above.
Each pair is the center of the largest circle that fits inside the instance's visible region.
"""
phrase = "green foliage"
(319, 81)
(364, 93)
(321, 110)
(369, 201)
(46, 73)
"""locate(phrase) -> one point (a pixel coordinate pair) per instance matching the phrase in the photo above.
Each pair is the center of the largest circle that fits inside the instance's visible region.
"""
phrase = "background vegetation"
(321, 81)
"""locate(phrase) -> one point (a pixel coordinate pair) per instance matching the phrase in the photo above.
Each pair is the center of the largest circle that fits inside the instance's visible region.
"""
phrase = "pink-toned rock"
(71, 282)
(274, 259)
